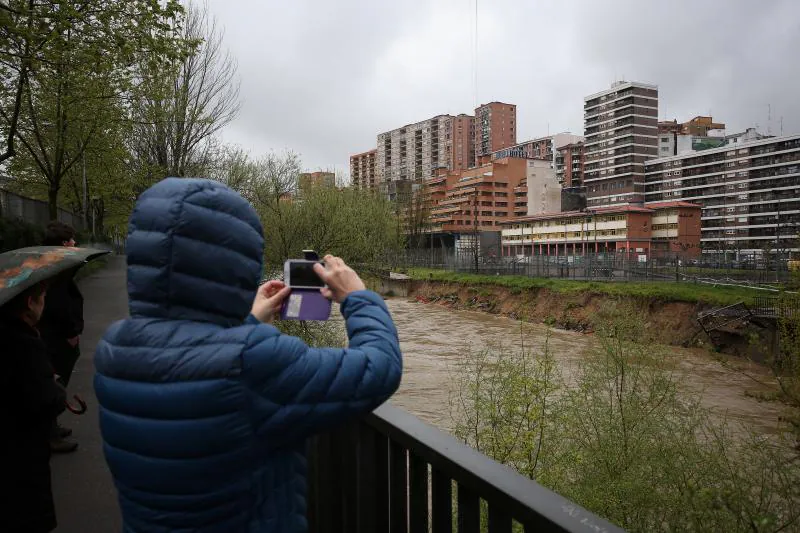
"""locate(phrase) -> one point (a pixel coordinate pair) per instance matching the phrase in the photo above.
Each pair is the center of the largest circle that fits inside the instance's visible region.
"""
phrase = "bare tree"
(178, 114)
(14, 67)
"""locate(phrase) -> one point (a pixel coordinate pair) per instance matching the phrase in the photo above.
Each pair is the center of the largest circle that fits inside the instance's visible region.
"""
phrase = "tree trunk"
(52, 202)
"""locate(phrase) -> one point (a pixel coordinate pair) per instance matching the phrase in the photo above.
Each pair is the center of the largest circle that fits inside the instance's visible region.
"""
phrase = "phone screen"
(301, 274)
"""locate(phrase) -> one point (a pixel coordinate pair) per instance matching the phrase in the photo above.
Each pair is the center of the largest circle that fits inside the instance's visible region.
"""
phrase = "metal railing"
(775, 306)
(609, 266)
(392, 472)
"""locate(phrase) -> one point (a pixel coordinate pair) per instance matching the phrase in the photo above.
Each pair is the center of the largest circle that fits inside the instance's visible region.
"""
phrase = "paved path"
(86, 500)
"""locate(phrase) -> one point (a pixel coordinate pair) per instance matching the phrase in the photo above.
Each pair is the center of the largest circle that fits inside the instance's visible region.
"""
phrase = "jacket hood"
(195, 252)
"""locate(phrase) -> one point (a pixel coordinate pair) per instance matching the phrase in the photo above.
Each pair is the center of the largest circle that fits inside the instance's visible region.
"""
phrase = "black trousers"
(63, 358)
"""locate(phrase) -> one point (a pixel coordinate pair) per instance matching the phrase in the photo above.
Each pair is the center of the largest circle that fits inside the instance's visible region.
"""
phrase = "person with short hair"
(62, 325)
(205, 407)
(31, 400)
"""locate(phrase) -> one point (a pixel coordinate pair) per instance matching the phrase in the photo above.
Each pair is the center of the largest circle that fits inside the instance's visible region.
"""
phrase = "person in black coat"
(61, 326)
(31, 400)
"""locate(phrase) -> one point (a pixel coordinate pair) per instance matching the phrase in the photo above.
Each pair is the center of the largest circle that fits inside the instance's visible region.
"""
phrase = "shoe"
(63, 446)
(63, 432)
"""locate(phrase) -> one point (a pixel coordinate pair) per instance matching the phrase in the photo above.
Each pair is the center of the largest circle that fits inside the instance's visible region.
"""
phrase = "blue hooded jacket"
(204, 411)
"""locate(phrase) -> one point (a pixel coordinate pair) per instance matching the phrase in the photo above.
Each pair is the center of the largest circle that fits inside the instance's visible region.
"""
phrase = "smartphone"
(305, 301)
(299, 274)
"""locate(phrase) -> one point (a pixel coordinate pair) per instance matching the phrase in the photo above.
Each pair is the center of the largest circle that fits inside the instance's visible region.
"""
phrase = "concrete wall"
(544, 191)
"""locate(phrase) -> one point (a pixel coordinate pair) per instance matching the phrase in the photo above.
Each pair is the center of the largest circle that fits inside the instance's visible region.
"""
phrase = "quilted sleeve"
(298, 390)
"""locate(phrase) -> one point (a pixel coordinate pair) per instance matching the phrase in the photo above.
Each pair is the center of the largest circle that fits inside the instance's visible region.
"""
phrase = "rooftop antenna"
(475, 58)
(769, 119)
(781, 126)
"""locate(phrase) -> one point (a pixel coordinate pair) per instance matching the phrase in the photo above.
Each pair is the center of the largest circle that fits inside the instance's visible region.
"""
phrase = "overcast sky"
(324, 77)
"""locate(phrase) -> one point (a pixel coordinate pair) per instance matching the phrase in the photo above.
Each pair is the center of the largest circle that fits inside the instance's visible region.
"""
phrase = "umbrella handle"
(81, 405)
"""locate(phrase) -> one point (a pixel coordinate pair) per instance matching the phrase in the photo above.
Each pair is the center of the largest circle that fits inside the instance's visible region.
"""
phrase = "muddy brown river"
(434, 338)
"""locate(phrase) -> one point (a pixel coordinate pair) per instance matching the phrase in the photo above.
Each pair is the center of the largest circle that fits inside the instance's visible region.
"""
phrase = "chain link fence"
(748, 270)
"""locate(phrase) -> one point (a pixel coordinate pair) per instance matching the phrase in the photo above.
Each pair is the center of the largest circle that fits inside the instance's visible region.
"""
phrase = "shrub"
(16, 233)
(627, 440)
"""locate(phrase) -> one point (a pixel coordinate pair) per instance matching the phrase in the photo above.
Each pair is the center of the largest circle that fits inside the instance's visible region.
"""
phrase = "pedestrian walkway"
(84, 493)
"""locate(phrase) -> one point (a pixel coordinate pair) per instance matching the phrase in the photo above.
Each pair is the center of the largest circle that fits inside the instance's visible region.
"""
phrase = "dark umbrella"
(25, 267)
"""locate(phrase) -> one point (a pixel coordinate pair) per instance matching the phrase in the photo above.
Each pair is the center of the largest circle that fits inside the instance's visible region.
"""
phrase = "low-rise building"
(665, 228)
(476, 199)
(315, 179)
(699, 126)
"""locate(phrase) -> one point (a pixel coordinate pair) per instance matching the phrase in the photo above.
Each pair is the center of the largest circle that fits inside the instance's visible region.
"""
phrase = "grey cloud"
(323, 78)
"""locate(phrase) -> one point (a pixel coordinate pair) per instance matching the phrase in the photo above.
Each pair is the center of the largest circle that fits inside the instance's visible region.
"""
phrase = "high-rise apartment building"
(544, 148)
(749, 192)
(459, 142)
(411, 153)
(621, 130)
(495, 128)
(362, 170)
(570, 160)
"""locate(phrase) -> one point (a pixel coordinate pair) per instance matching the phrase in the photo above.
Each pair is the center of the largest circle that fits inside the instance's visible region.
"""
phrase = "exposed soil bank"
(665, 322)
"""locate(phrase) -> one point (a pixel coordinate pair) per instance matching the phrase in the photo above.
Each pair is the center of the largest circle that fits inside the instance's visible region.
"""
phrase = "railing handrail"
(527, 501)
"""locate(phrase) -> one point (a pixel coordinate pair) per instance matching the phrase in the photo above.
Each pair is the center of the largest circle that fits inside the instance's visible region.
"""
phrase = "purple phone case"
(306, 304)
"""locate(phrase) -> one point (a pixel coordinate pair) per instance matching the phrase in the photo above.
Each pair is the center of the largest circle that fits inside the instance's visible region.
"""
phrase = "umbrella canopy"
(25, 267)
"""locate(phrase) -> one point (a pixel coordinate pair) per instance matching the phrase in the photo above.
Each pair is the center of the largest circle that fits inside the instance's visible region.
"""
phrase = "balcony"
(392, 472)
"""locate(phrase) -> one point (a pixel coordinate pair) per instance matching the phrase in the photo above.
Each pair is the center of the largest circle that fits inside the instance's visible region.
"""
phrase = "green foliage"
(356, 225)
(504, 404)
(19, 234)
(659, 291)
(786, 363)
(73, 68)
(626, 439)
(318, 334)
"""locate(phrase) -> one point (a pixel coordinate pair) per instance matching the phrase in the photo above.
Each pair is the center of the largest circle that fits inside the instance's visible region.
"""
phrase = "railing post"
(325, 507)
(469, 511)
(345, 454)
(442, 502)
(499, 519)
(418, 485)
(373, 481)
(398, 488)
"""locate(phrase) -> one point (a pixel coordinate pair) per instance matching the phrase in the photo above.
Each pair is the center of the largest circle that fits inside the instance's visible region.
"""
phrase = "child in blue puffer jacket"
(206, 407)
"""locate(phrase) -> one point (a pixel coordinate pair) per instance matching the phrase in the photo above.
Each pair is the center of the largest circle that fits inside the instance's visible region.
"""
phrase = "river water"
(434, 339)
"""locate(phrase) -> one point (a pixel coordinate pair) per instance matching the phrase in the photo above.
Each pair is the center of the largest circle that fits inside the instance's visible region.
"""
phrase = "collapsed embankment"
(663, 321)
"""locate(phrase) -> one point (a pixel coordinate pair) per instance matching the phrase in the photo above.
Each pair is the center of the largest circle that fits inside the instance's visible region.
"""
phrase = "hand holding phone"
(269, 300)
(305, 300)
(339, 279)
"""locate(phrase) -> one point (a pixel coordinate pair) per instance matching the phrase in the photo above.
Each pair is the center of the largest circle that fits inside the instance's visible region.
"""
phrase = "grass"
(657, 290)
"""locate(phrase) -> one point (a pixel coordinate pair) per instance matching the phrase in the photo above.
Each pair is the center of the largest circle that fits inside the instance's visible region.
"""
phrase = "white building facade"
(749, 192)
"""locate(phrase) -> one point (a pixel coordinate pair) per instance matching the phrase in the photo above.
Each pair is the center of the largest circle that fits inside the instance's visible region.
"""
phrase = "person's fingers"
(321, 271)
(327, 293)
(279, 296)
(271, 287)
